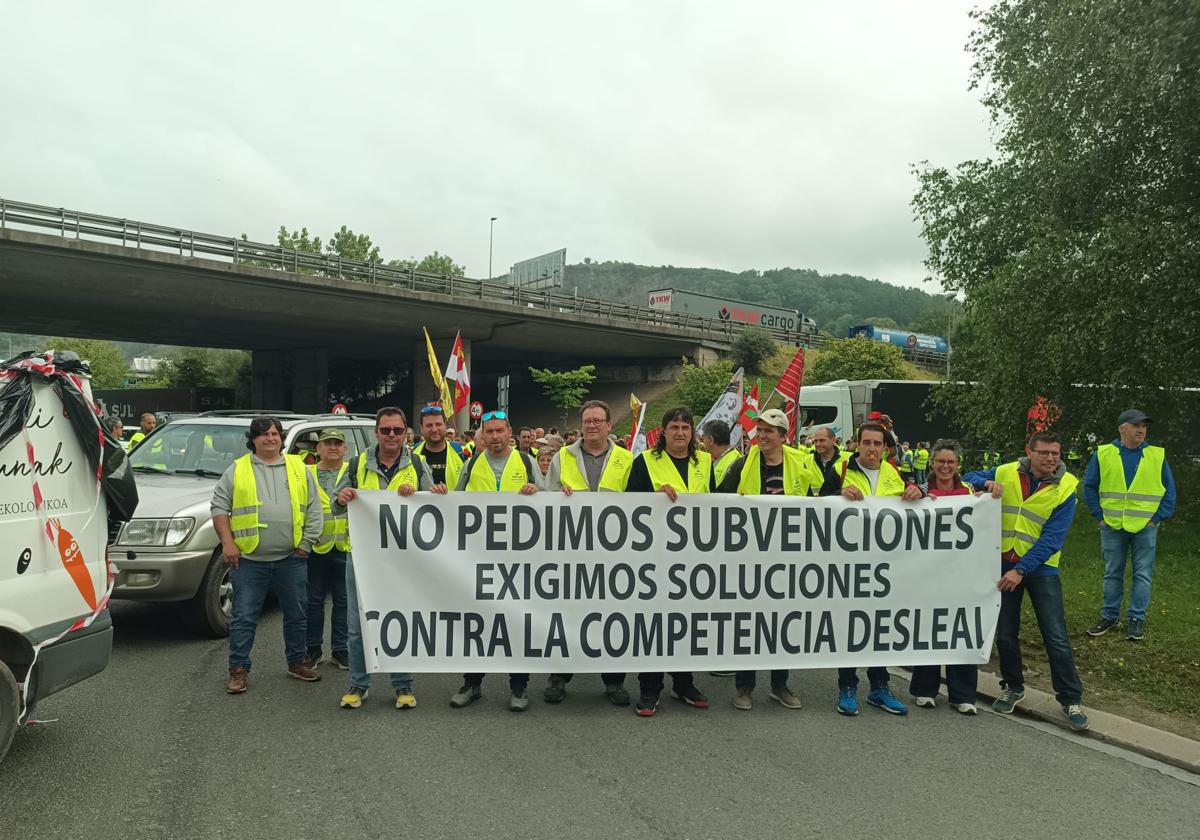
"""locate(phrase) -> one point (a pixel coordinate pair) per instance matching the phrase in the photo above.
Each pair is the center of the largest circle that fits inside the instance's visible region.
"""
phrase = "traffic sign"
(340, 408)
(476, 410)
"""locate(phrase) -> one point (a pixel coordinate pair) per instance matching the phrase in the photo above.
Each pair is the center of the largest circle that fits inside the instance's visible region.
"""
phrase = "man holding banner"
(387, 465)
(503, 469)
(863, 474)
(770, 469)
(674, 466)
(591, 464)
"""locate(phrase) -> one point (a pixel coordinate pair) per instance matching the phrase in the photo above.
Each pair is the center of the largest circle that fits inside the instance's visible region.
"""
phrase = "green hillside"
(835, 301)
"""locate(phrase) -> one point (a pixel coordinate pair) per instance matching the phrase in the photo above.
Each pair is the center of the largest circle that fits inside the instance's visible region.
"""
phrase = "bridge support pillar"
(268, 379)
(424, 391)
(310, 379)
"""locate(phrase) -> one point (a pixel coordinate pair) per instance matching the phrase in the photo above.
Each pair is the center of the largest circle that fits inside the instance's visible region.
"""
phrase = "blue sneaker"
(848, 701)
(883, 698)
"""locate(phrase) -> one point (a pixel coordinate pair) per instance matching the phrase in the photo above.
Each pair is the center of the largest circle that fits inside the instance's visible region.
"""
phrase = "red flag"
(789, 389)
(456, 372)
(652, 436)
(749, 417)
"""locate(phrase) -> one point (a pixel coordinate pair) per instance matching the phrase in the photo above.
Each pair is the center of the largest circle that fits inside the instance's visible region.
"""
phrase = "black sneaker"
(1135, 629)
(647, 705)
(1102, 626)
(617, 695)
(691, 695)
(341, 660)
(556, 689)
(315, 657)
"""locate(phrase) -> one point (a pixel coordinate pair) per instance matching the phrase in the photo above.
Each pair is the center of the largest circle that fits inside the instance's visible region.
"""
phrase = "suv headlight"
(164, 532)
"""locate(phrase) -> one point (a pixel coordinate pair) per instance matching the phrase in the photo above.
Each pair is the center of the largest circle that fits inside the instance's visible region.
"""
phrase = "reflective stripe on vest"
(721, 465)
(798, 473)
(369, 479)
(612, 480)
(483, 480)
(1130, 508)
(1021, 519)
(335, 528)
(889, 483)
(454, 463)
(662, 471)
(243, 518)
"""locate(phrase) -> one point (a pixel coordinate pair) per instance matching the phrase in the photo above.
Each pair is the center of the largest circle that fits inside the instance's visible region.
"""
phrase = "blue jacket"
(1054, 532)
(1130, 458)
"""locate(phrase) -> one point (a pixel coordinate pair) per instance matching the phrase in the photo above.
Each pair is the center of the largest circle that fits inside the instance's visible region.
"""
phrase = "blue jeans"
(359, 678)
(1045, 593)
(327, 574)
(1115, 547)
(252, 580)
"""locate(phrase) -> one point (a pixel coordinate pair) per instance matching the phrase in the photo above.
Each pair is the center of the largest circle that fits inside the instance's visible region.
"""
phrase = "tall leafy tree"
(856, 358)
(565, 389)
(110, 369)
(752, 349)
(1076, 246)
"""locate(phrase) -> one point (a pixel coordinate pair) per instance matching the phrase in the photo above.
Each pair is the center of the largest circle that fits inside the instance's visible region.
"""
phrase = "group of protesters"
(283, 524)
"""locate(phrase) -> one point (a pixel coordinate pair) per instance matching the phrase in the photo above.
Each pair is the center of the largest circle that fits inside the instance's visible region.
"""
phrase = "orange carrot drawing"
(73, 561)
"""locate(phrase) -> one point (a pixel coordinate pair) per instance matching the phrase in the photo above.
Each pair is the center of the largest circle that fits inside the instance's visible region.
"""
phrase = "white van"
(52, 564)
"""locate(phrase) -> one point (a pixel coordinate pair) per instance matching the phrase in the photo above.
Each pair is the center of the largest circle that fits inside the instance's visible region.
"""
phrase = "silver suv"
(169, 551)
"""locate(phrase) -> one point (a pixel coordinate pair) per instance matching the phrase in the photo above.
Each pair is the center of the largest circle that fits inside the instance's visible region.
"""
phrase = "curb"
(1158, 744)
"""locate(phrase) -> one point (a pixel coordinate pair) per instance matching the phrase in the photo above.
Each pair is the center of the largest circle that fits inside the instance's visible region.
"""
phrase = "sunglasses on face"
(390, 430)
(431, 409)
(495, 415)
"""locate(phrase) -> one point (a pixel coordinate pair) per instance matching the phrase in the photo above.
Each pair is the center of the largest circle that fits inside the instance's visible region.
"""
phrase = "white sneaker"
(966, 708)
(925, 702)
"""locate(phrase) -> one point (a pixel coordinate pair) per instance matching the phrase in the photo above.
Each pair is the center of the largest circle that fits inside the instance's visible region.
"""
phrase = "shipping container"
(728, 309)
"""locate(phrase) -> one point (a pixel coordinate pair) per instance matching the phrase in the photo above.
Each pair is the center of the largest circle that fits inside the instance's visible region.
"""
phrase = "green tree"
(564, 388)
(856, 358)
(881, 321)
(192, 367)
(109, 367)
(349, 245)
(1075, 246)
(752, 349)
(434, 263)
(698, 388)
(935, 321)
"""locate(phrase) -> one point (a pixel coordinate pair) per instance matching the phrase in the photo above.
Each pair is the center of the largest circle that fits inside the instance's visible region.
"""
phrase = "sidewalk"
(1164, 746)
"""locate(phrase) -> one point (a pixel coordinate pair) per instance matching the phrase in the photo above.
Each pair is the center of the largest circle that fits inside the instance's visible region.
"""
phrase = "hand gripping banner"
(607, 582)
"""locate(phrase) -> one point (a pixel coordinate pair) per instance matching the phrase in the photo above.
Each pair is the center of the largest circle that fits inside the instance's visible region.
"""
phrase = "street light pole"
(491, 238)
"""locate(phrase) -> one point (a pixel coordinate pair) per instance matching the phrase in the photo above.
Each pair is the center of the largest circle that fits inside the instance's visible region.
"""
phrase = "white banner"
(499, 582)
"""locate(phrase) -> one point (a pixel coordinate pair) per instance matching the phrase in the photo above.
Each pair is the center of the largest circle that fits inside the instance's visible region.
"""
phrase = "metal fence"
(188, 243)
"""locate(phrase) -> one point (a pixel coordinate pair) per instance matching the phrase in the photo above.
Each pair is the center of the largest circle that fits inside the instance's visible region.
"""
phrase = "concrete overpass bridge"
(319, 328)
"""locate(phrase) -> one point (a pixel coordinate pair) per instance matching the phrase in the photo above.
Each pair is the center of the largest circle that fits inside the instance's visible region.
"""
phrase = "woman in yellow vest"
(1129, 490)
(674, 466)
(267, 513)
(1037, 497)
(385, 466)
(867, 473)
(498, 468)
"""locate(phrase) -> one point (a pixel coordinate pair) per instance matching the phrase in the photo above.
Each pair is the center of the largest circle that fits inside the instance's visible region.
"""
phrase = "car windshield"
(190, 447)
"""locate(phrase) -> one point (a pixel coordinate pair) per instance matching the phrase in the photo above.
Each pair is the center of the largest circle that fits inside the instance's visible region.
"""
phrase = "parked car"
(169, 552)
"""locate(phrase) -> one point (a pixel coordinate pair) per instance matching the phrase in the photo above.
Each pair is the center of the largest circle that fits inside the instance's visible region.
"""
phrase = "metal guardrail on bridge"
(188, 243)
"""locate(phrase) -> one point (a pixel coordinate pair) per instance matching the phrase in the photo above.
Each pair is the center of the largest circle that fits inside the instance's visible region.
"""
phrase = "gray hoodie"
(275, 509)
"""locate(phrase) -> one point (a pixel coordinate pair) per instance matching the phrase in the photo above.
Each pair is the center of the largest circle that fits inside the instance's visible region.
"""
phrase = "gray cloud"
(764, 135)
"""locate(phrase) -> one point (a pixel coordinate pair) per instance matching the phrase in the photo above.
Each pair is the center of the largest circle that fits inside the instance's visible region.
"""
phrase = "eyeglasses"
(390, 430)
(599, 422)
(1047, 453)
(494, 415)
(431, 409)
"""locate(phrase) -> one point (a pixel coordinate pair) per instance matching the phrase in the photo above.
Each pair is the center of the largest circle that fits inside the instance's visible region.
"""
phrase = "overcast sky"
(749, 135)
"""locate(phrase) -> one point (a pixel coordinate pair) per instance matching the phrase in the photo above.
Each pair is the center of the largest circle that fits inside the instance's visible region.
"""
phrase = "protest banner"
(500, 582)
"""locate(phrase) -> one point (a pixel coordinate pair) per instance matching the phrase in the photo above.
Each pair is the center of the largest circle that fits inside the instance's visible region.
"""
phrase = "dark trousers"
(608, 679)
(1045, 593)
(653, 683)
(961, 682)
(877, 676)
(327, 574)
(748, 679)
(515, 681)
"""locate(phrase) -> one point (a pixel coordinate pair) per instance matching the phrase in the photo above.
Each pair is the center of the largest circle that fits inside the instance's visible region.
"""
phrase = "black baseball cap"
(1132, 415)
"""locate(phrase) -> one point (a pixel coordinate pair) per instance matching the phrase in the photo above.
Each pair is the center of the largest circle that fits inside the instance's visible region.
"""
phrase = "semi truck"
(843, 405)
(736, 311)
(903, 339)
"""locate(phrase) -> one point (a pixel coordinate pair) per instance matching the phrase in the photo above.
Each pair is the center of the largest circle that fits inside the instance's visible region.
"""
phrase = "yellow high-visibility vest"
(483, 480)
(889, 483)
(799, 473)
(1021, 519)
(454, 463)
(662, 471)
(613, 479)
(243, 518)
(335, 528)
(1130, 508)
(369, 479)
(721, 466)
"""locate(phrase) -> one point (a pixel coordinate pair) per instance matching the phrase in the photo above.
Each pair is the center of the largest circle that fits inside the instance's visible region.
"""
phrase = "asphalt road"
(154, 748)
